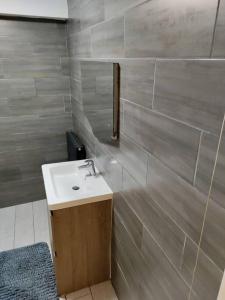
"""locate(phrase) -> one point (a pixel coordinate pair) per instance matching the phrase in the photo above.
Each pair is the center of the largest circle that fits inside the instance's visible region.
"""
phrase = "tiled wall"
(168, 172)
(35, 108)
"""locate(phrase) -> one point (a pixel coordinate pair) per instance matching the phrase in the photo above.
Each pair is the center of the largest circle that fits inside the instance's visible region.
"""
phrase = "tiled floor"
(102, 291)
(27, 224)
(23, 225)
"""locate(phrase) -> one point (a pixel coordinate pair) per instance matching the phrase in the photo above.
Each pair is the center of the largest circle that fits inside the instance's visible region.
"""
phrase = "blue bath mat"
(27, 274)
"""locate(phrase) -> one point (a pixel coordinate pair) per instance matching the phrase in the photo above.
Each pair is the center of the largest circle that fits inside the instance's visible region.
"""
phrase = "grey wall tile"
(119, 283)
(207, 156)
(160, 279)
(22, 191)
(179, 199)
(79, 44)
(172, 142)
(218, 185)
(17, 88)
(137, 81)
(127, 255)
(38, 66)
(91, 12)
(40, 105)
(73, 23)
(132, 157)
(195, 88)
(9, 168)
(107, 39)
(118, 7)
(214, 234)
(176, 30)
(131, 222)
(109, 168)
(188, 260)
(214, 230)
(207, 279)
(219, 40)
(33, 94)
(163, 229)
(53, 86)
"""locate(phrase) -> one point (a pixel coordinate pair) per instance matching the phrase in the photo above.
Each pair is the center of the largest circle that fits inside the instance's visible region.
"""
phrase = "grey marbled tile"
(36, 67)
(131, 222)
(163, 229)
(107, 39)
(132, 157)
(23, 191)
(175, 29)
(191, 91)
(31, 167)
(87, 137)
(17, 88)
(183, 202)
(40, 105)
(160, 279)
(91, 12)
(219, 39)
(119, 283)
(73, 23)
(67, 104)
(207, 279)
(118, 7)
(37, 139)
(137, 81)
(79, 44)
(76, 90)
(9, 169)
(172, 142)
(65, 65)
(27, 31)
(57, 123)
(53, 86)
(11, 48)
(75, 68)
(213, 239)
(127, 255)
(207, 156)
(109, 168)
(4, 108)
(218, 185)
(188, 260)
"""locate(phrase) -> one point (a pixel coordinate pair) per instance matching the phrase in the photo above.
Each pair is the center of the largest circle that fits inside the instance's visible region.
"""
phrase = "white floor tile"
(79, 294)
(103, 291)
(7, 227)
(24, 225)
(41, 227)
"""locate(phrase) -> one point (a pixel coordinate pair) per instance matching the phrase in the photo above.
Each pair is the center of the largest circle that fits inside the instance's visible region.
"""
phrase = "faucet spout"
(89, 163)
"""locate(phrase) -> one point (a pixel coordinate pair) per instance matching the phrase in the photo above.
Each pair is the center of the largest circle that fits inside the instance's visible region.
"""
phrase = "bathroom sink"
(66, 185)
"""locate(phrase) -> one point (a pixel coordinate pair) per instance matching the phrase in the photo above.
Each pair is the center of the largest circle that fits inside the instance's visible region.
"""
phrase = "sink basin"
(66, 185)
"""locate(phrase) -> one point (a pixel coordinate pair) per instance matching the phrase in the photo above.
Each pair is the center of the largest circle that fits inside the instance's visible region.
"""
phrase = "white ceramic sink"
(61, 178)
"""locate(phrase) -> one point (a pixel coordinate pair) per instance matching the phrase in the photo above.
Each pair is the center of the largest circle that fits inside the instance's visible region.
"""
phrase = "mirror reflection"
(100, 95)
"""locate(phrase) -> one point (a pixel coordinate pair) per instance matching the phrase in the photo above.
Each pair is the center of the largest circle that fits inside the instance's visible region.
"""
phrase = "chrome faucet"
(89, 163)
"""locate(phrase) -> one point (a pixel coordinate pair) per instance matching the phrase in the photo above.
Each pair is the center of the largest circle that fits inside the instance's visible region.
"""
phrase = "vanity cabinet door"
(82, 245)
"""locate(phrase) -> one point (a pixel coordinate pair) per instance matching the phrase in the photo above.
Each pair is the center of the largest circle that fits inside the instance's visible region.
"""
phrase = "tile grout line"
(183, 250)
(164, 115)
(214, 29)
(206, 209)
(33, 221)
(198, 157)
(14, 233)
(154, 82)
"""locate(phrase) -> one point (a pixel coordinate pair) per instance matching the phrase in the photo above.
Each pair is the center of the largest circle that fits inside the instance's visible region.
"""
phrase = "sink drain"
(75, 188)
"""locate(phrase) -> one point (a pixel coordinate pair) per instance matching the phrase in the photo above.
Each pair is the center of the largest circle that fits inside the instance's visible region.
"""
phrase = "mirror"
(100, 95)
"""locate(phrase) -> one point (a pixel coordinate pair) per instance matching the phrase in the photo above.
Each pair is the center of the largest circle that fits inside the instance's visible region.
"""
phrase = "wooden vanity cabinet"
(82, 245)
